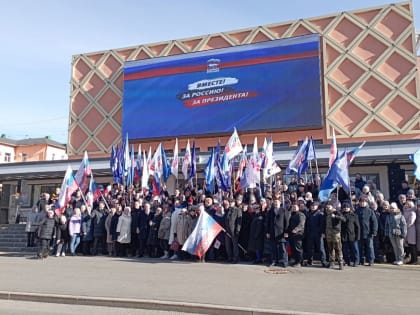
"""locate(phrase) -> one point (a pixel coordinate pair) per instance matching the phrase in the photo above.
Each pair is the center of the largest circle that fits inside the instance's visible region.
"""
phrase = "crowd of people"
(283, 224)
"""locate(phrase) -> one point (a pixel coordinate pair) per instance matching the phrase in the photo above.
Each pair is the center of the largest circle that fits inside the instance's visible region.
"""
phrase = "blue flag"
(209, 173)
(224, 174)
(166, 167)
(193, 162)
(337, 174)
(299, 157)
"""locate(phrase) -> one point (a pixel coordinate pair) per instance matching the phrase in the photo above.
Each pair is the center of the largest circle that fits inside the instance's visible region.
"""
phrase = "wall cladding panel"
(371, 81)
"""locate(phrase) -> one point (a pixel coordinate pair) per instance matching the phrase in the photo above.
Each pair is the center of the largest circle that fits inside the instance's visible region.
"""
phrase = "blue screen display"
(268, 86)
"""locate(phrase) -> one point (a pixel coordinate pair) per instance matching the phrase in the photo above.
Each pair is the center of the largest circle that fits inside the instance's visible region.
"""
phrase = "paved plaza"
(212, 288)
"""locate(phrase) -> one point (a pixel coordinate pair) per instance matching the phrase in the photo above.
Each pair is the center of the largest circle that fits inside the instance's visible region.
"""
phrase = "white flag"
(233, 146)
(175, 161)
(187, 161)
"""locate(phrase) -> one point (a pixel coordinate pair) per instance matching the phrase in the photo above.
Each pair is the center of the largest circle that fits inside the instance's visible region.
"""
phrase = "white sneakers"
(398, 263)
(174, 256)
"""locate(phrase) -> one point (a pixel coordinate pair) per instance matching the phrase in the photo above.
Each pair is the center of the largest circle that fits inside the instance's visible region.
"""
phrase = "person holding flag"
(202, 236)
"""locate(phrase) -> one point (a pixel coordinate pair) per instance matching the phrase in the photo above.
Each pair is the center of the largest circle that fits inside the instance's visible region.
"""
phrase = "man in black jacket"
(46, 234)
(276, 225)
(295, 233)
(233, 222)
(350, 235)
(314, 232)
(368, 230)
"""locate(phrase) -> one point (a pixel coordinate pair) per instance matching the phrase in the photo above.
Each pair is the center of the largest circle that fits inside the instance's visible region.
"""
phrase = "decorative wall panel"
(370, 84)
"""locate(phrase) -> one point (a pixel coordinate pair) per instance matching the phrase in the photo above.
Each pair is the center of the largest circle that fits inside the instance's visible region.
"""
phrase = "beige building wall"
(370, 84)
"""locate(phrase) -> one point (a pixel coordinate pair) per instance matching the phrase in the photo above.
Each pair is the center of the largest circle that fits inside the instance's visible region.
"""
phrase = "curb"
(157, 305)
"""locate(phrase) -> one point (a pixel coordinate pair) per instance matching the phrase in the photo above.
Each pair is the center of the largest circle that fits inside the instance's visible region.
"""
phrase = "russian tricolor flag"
(202, 236)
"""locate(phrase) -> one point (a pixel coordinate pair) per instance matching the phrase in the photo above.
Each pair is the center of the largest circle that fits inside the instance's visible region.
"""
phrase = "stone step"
(12, 244)
(18, 249)
(14, 235)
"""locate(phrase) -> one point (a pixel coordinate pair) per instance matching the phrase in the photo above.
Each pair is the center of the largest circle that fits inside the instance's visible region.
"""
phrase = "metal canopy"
(380, 153)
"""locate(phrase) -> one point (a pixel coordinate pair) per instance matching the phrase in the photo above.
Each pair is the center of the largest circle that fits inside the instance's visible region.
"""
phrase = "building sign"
(268, 86)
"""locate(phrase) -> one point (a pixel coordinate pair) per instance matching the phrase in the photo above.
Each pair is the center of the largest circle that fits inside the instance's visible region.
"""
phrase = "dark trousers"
(98, 242)
(296, 247)
(232, 247)
(31, 239)
(86, 247)
(278, 253)
(315, 245)
(351, 252)
(134, 245)
(143, 250)
(366, 250)
(44, 248)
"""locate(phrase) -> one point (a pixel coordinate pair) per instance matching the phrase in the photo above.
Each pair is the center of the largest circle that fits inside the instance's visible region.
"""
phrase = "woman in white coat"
(124, 231)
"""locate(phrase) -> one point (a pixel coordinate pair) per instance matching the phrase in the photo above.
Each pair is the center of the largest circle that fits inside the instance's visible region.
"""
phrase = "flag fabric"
(242, 163)
(187, 160)
(351, 155)
(139, 166)
(268, 164)
(117, 165)
(202, 236)
(300, 155)
(217, 162)
(253, 170)
(145, 173)
(415, 158)
(166, 167)
(157, 163)
(94, 192)
(130, 170)
(337, 174)
(333, 149)
(209, 173)
(107, 190)
(193, 162)
(83, 172)
(263, 154)
(149, 161)
(224, 174)
(65, 192)
(175, 161)
(233, 146)
(310, 152)
(125, 152)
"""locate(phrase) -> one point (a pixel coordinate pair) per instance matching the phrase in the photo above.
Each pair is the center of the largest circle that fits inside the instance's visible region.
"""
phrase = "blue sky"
(39, 38)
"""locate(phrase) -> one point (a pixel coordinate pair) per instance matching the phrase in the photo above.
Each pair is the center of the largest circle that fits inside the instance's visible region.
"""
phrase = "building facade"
(370, 85)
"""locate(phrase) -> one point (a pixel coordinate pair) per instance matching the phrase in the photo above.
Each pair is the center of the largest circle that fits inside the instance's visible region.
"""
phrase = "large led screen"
(268, 86)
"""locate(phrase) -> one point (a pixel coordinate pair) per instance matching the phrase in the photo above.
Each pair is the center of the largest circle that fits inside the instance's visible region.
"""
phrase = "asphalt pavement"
(209, 288)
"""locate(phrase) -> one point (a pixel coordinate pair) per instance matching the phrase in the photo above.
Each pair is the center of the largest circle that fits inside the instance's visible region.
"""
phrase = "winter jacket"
(75, 225)
(333, 222)
(183, 228)
(277, 223)
(395, 225)
(410, 218)
(350, 229)
(368, 222)
(296, 223)
(256, 234)
(124, 229)
(87, 228)
(46, 229)
(233, 220)
(98, 219)
(165, 227)
(315, 224)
